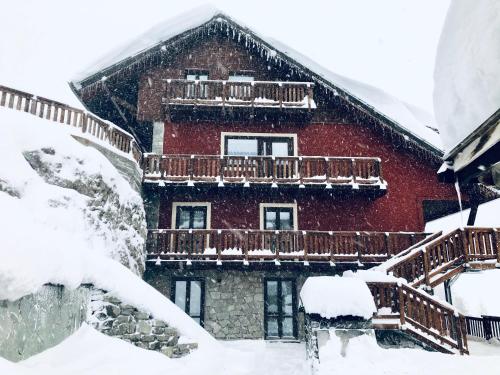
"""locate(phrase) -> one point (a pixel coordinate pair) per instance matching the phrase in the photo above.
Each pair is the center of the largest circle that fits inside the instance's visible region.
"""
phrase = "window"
(189, 295)
(278, 216)
(280, 310)
(191, 215)
(248, 145)
(434, 209)
(242, 76)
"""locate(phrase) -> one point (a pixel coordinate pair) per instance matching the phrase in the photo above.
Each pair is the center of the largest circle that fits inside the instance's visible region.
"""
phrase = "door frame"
(188, 294)
(280, 308)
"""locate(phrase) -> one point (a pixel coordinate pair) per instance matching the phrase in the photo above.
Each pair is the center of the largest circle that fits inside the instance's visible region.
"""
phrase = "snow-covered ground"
(88, 352)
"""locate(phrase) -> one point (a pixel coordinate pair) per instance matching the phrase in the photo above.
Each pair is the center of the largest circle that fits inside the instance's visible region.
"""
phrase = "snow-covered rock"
(467, 70)
(60, 200)
(334, 296)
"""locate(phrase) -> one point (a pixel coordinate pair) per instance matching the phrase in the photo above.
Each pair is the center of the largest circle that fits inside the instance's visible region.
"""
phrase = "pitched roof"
(413, 123)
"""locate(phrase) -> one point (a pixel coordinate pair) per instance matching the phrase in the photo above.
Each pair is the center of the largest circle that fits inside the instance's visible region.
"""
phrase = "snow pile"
(371, 276)
(68, 217)
(467, 71)
(487, 216)
(411, 118)
(364, 356)
(474, 293)
(334, 296)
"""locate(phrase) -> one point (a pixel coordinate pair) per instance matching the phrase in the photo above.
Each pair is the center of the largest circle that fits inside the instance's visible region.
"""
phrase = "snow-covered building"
(261, 168)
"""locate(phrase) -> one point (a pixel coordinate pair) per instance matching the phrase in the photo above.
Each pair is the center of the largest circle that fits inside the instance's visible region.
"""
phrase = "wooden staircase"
(425, 265)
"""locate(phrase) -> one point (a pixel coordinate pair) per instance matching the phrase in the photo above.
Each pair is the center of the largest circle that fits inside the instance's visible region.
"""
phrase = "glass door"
(189, 295)
(280, 309)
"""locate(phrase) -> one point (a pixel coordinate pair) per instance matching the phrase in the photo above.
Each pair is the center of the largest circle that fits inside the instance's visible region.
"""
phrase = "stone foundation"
(114, 318)
(234, 299)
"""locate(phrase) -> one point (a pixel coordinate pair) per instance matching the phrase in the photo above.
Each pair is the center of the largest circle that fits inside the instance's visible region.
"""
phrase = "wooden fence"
(248, 245)
(434, 322)
(263, 169)
(87, 123)
(485, 327)
(239, 93)
(443, 257)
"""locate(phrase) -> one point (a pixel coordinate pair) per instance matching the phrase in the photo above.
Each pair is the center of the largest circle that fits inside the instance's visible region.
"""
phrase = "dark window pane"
(286, 297)
(180, 294)
(183, 215)
(286, 220)
(272, 327)
(195, 299)
(287, 327)
(272, 297)
(270, 219)
(199, 218)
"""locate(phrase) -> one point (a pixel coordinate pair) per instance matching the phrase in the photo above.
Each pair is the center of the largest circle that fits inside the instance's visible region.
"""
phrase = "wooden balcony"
(264, 245)
(298, 95)
(298, 171)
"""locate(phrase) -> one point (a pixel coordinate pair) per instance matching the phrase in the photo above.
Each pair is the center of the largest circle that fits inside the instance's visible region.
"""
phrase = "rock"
(147, 338)
(139, 315)
(154, 345)
(158, 330)
(124, 319)
(111, 299)
(158, 323)
(168, 351)
(112, 311)
(143, 327)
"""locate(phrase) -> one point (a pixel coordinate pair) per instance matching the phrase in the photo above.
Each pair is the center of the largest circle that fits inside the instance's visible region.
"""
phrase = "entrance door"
(280, 309)
(188, 294)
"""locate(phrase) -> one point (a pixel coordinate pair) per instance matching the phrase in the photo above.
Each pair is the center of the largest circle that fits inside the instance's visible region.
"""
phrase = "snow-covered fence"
(443, 257)
(300, 170)
(88, 123)
(239, 93)
(438, 324)
(254, 245)
(486, 327)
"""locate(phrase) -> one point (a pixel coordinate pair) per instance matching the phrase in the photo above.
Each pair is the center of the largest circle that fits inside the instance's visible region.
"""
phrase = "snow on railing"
(256, 245)
(88, 123)
(240, 93)
(300, 170)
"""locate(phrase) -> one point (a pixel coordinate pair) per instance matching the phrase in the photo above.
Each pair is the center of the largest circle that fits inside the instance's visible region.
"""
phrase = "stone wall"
(234, 299)
(114, 318)
(41, 320)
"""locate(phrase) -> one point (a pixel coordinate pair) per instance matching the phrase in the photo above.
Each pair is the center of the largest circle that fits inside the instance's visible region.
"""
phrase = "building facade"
(262, 170)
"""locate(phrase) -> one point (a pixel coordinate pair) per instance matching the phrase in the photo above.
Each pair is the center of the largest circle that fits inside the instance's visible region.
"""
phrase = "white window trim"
(293, 206)
(223, 136)
(208, 205)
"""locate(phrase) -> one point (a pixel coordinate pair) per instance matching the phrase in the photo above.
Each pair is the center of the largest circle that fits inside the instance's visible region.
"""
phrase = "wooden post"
(353, 170)
(401, 305)
(426, 267)
(465, 245)
(496, 243)
(309, 96)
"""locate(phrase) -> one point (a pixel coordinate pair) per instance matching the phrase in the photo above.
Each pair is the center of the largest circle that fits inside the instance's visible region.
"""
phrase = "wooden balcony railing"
(256, 245)
(300, 170)
(239, 94)
(87, 123)
(445, 256)
(485, 327)
(436, 323)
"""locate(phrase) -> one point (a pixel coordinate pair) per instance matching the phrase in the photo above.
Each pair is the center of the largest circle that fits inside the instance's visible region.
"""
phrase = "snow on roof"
(333, 296)
(410, 118)
(467, 69)
(487, 216)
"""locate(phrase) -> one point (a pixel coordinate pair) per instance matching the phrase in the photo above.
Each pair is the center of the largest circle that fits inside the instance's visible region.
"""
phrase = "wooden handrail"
(441, 258)
(236, 244)
(264, 169)
(239, 93)
(88, 123)
(428, 317)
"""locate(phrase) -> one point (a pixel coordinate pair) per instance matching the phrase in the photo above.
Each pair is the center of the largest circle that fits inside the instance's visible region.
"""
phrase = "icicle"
(457, 188)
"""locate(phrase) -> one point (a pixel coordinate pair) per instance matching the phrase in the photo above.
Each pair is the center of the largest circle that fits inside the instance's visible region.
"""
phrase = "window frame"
(264, 206)
(290, 138)
(279, 315)
(197, 72)
(188, 281)
(176, 205)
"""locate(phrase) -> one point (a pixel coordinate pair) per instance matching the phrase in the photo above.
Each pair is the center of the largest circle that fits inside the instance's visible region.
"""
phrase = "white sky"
(390, 44)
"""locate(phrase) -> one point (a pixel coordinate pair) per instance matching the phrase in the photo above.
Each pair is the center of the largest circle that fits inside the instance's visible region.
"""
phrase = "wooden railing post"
(496, 243)
(426, 267)
(401, 304)
(465, 245)
(353, 170)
